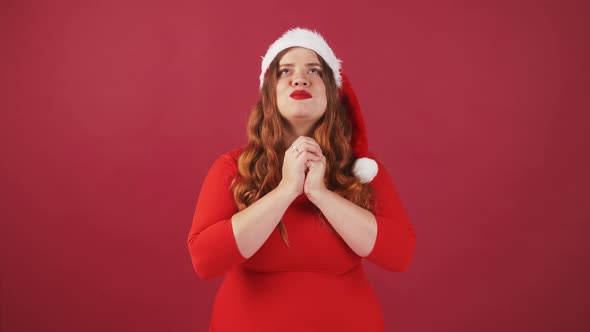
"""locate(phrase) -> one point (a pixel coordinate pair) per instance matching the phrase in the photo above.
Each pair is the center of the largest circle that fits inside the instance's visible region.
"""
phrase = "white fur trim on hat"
(304, 38)
(365, 169)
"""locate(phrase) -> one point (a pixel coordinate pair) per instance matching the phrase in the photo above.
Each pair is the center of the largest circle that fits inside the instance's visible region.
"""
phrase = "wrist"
(317, 195)
(287, 192)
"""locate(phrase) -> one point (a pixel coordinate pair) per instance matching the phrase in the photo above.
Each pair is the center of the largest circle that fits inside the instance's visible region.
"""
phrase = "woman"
(288, 218)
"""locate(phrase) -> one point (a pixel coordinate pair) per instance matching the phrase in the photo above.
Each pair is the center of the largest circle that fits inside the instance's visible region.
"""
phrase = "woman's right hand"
(294, 164)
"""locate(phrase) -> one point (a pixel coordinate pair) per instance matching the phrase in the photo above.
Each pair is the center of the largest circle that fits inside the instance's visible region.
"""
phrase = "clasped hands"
(304, 167)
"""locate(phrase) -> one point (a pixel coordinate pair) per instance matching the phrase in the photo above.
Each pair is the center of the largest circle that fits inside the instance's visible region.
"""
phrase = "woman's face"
(301, 93)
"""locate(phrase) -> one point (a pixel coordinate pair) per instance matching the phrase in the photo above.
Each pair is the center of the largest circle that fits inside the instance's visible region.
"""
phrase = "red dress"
(316, 284)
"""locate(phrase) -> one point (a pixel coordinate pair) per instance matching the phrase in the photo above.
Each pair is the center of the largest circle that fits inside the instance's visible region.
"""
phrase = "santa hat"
(364, 168)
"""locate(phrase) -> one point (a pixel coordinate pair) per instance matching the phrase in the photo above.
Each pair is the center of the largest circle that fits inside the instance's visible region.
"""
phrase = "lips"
(300, 94)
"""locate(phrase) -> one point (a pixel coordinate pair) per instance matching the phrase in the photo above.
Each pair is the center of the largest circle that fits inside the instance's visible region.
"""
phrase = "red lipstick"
(300, 94)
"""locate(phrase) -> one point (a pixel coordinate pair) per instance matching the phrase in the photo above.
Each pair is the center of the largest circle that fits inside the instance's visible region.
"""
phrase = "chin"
(305, 110)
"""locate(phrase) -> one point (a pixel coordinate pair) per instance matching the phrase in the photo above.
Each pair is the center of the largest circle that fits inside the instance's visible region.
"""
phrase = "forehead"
(299, 54)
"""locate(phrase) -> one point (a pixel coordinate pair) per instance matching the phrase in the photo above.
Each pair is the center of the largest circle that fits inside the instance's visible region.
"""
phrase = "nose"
(300, 81)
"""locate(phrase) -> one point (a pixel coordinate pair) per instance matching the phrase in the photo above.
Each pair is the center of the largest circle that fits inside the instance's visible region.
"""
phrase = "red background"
(114, 111)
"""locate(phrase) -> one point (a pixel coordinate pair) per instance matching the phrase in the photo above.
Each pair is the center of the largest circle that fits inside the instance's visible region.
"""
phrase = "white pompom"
(365, 169)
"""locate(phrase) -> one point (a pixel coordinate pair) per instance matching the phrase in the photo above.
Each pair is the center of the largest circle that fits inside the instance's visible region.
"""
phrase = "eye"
(283, 71)
(315, 71)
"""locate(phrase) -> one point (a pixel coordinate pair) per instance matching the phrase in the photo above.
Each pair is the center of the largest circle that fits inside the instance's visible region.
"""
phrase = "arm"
(253, 225)
(396, 237)
(211, 243)
(387, 238)
(220, 236)
(356, 226)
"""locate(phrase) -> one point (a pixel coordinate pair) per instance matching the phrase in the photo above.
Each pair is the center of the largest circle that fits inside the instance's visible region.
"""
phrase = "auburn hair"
(260, 165)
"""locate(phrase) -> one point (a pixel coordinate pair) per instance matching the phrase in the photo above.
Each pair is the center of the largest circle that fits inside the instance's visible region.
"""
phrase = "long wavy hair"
(260, 165)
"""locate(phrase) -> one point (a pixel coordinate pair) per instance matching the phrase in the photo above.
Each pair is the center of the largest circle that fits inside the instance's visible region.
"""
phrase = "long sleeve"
(396, 237)
(211, 240)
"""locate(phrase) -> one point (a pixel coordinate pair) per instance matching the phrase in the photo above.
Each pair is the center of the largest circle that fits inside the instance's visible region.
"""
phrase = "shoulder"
(382, 172)
(234, 155)
(228, 161)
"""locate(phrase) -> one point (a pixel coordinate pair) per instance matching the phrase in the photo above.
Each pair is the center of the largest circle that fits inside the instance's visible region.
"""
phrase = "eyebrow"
(307, 64)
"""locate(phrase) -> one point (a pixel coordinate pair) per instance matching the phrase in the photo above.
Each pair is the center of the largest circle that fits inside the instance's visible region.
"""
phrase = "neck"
(292, 132)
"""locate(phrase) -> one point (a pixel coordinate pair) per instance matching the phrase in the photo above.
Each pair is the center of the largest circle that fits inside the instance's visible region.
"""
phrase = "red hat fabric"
(364, 168)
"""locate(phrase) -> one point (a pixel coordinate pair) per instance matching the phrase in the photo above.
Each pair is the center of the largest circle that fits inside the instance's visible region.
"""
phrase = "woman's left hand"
(314, 180)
